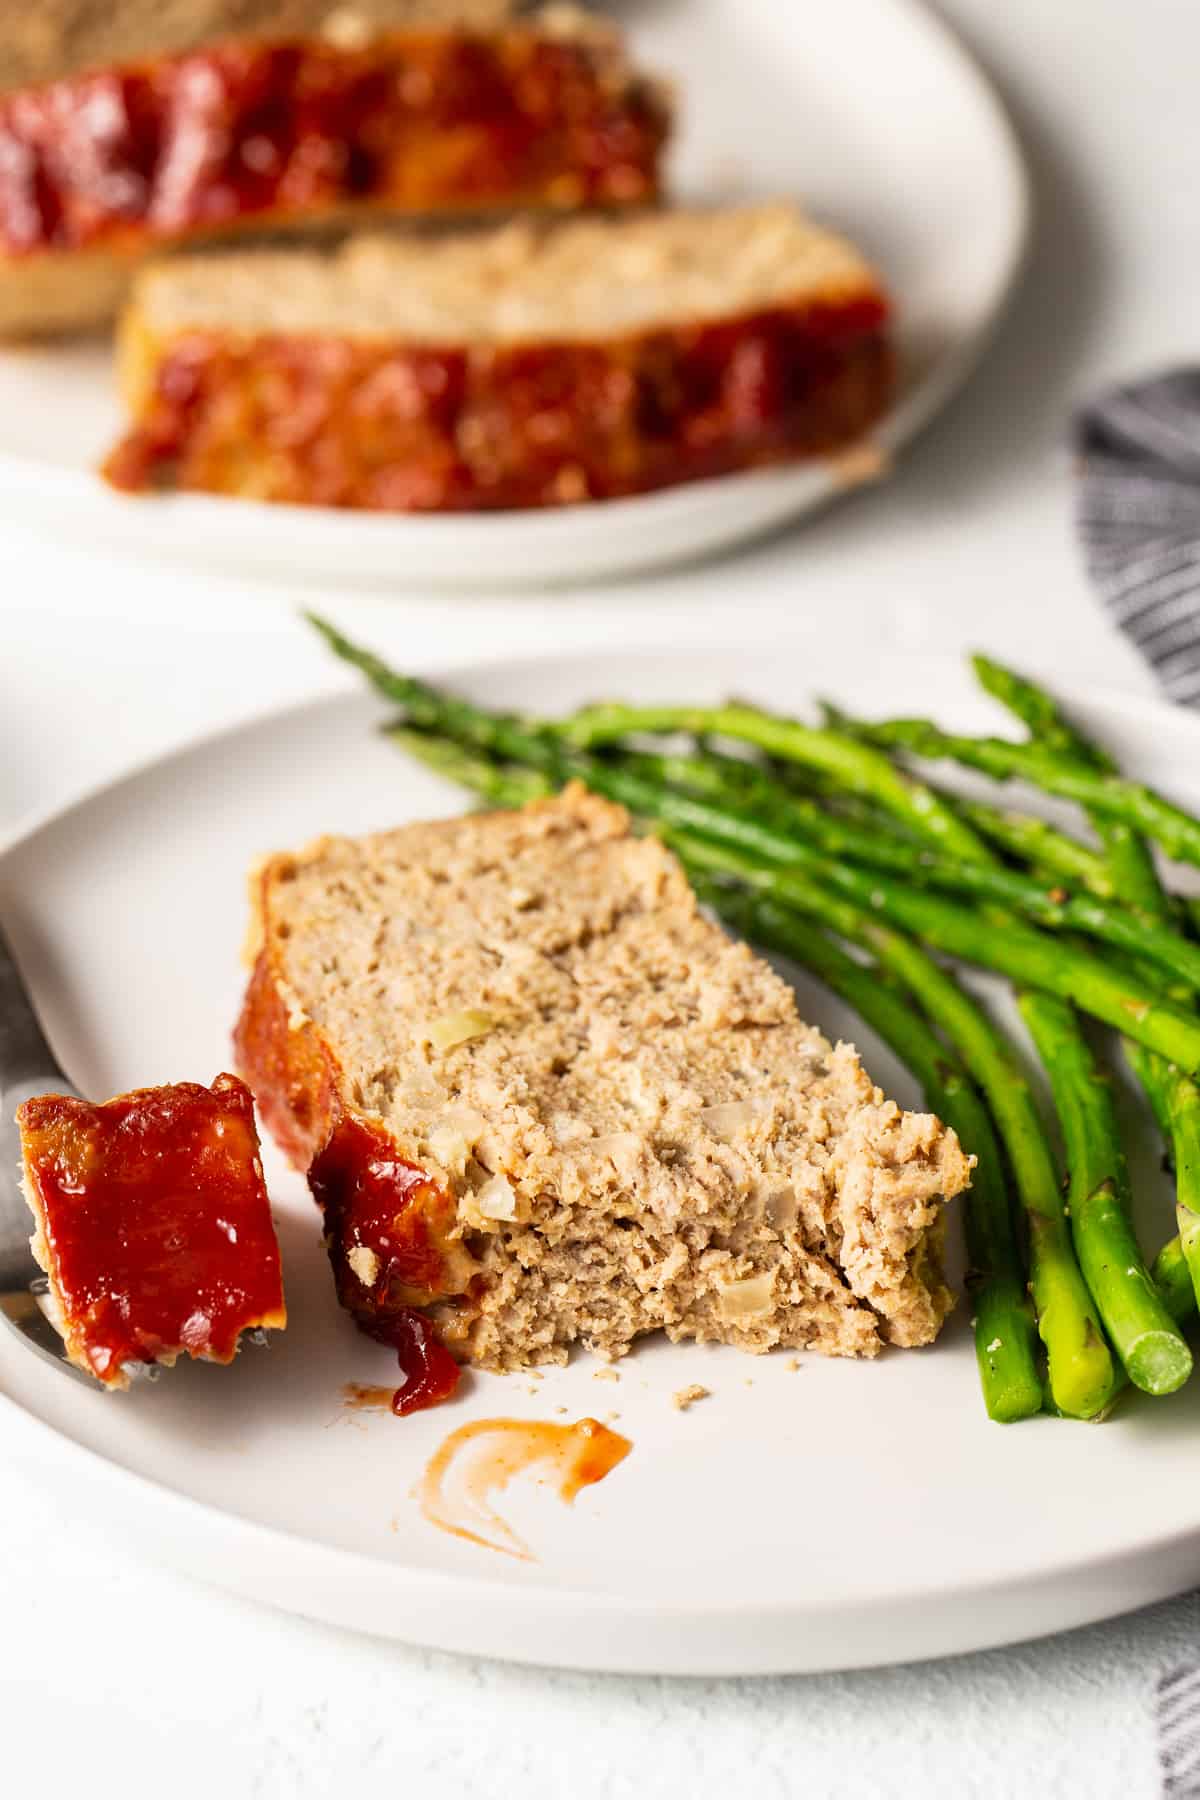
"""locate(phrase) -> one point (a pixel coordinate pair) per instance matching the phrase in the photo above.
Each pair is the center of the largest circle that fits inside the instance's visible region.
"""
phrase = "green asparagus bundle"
(1174, 1099)
(1152, 1351)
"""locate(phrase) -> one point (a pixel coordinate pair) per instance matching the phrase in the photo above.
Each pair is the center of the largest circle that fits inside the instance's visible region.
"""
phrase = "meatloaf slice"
(288, 133)
(534, 365)
(541, 1096)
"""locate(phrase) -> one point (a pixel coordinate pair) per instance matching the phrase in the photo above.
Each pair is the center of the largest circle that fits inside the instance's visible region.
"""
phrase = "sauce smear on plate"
(487, 1454)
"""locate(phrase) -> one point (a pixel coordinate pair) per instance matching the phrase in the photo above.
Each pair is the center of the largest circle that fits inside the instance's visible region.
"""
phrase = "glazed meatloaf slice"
(528, 366)
(541, 1097)
(287, 133)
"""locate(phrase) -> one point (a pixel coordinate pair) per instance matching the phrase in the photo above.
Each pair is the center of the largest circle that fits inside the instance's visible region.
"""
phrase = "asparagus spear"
(424, 705)
(1106, 796)
(832, 752)
(1173, 1279)
(1032, 705)
(1145, 1337)
(1082, 1377)
(1050, 851)
(1005, 1334)
(499, 784)
(1176, 1102)
(1132, 866)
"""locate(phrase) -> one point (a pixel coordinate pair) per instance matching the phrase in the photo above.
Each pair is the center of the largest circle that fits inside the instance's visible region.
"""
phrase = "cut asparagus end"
(1158, 1362)
(1082, 1375)
(1004, 1332)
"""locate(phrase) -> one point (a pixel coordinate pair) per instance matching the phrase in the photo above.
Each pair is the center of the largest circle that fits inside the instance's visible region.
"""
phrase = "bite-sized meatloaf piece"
(101, 168)
(529, 366)
(153, 1224)
(543, 1100)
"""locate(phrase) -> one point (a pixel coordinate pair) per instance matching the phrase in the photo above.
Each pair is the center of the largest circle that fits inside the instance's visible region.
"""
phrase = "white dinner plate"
(868, 109)
(834, 1514)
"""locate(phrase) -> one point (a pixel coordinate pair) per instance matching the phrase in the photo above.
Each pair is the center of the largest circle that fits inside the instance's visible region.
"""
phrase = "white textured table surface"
(115, 1675)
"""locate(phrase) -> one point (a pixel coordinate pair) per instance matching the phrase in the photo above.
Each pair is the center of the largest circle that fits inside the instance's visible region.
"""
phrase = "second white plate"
(831, 1515)
(868, 110)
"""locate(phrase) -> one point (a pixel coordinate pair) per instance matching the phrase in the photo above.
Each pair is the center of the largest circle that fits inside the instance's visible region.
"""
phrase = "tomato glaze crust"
(390, 1229)
(347, 423)
(248, 132)
(153, 1223)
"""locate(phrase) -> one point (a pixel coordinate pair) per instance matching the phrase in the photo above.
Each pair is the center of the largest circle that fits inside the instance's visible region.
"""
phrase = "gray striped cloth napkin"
(1137, 512)
(1177, 1709)
(1138, 518)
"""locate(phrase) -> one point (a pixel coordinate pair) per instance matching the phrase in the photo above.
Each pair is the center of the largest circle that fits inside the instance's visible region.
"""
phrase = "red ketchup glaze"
(199, 141)
(350, 423)
(288, 1071)
(379, 1211)
(430, 1372)
(156, 1221)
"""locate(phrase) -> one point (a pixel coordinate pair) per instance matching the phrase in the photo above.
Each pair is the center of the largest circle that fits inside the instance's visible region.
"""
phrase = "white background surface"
(118, 1677)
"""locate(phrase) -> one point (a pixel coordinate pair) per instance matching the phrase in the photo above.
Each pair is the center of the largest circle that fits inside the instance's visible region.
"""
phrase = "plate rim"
(217, 530)
(564, 1604)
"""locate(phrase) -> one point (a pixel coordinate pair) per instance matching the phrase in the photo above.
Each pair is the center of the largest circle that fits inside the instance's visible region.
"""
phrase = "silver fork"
(28, 1066)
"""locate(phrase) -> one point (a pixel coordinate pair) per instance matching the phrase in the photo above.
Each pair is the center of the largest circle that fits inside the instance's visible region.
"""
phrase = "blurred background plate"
(817, 1516)
(868, 110)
